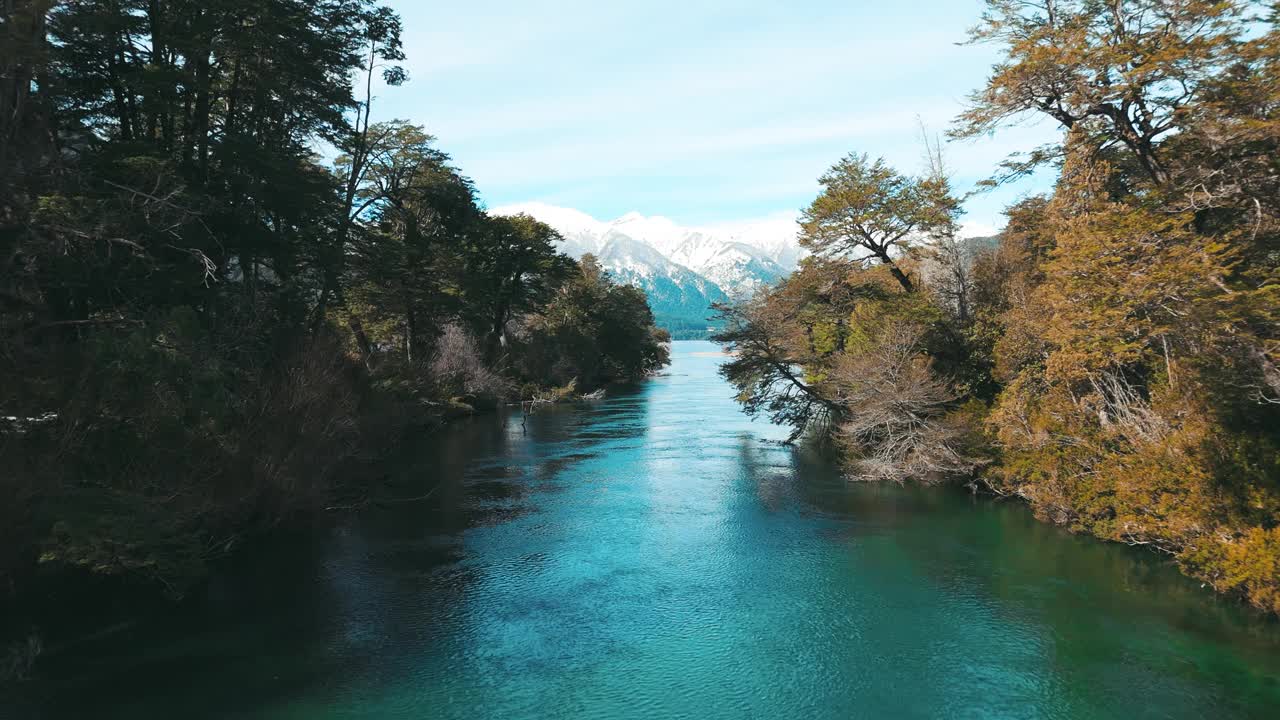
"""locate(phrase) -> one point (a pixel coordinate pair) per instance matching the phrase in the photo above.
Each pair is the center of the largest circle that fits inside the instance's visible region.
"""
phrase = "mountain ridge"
(683, 270)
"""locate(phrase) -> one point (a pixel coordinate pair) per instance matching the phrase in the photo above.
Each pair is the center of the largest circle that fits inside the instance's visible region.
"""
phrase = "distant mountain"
(681, 299)
(975, 246)
(683, 270)
(736, 267)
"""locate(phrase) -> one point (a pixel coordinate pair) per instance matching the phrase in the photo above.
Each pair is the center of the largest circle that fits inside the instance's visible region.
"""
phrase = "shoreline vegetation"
(210, 331)
(1112, 358)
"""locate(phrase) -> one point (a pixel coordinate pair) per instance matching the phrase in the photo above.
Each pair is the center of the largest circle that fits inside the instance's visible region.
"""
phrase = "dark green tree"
(406, 256)
(511, 267)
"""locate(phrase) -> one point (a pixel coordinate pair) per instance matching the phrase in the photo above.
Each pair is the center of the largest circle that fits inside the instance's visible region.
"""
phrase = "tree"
(1131, 407)
(359, 142)
(1116, 355)
(24, 114)
(174, 258)
(164, 221)
(1225, 161)
(769, 378)
(785, 338)
(896, 423)
(868, 211)
(593, 331)
(413, 214)
(1121, 73)
(512, 267)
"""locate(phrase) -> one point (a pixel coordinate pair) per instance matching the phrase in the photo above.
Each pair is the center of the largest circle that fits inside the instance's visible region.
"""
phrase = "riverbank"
(54, 607)
(658, 552)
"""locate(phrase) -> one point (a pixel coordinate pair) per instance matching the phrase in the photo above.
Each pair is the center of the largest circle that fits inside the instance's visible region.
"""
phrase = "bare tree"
(895, 420)
(458, 366)
(948, 271)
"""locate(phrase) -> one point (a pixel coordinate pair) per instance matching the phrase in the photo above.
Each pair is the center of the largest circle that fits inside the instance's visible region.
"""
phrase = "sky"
(708, 112)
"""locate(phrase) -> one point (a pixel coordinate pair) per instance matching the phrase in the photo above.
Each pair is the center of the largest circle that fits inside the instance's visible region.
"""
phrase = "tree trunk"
(497, 338)
(21, 58)
(200, 121)
(896, 271)
(362, 342)
(411, 334)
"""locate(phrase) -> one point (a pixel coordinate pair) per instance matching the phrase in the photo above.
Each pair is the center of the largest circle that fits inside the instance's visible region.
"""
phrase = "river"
(658, 554)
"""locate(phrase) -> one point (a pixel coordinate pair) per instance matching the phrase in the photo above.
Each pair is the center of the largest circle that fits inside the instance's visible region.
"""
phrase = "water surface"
(656, 554)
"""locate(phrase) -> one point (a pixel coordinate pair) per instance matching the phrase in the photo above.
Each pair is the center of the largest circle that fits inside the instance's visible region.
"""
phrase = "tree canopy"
(868, 211)
(201, 321)
(1113, 359)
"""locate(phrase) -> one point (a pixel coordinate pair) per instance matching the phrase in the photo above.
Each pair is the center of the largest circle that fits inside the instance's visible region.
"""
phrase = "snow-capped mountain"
(730, 260)
(737, 267)
(682, 269)
(681, 299)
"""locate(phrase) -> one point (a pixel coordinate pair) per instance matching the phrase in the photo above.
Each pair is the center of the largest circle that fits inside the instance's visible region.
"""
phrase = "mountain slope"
(737, 267)
(682, 269)
(681, 299)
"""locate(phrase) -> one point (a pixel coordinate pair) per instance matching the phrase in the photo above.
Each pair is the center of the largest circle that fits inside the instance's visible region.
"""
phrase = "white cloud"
(977, 229)
(770, 231)
(704, 111)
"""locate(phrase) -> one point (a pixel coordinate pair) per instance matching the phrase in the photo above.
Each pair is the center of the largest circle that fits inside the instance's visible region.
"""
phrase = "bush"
(457, 368)
(170, 447)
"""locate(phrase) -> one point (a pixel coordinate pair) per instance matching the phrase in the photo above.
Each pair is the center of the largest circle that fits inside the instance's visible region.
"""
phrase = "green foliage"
(512, 267)
(198, 318)
(592, 331)
(867, 211)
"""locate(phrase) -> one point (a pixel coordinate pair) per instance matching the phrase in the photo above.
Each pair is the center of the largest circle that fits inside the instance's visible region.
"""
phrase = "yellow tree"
(1120, 71)
(869, 212)
(1132, 409)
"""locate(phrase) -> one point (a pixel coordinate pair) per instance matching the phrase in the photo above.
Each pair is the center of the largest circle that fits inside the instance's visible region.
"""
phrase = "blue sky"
(703, 111)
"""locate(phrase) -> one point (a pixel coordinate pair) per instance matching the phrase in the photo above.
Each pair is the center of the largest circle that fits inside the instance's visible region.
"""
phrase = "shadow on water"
(657, 554)
(307, 609)
(1111, 624)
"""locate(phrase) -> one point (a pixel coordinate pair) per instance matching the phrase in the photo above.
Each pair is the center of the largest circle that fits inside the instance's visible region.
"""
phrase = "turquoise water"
(657, 554)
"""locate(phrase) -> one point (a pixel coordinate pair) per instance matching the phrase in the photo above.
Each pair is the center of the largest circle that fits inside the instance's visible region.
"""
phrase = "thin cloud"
(705, 112)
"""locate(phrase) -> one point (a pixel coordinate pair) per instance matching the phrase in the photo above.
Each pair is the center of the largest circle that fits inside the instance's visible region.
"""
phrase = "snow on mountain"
(681, 299)
(682, 269)
(582, 233)
(737, 267)
(740, 257)
(565, 220)
(776, 236)
(658, 232)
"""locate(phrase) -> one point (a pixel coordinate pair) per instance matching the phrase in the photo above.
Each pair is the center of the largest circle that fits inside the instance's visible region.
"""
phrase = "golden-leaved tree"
(1140, 360)
(1114, 361)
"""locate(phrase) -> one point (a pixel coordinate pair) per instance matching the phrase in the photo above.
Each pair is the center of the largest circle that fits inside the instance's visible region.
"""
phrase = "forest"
(227, 292)
(1114, 359)
(223, 287)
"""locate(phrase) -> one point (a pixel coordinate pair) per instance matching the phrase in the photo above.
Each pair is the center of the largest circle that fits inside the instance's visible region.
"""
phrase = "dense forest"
(202, 318)
(1113, 360)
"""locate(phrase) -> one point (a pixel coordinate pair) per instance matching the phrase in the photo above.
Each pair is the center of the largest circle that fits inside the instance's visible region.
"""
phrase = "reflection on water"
(657, 554)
